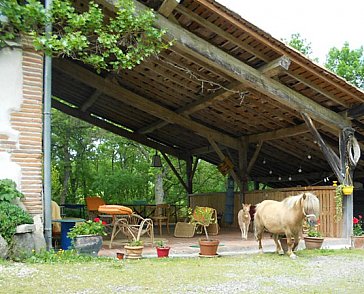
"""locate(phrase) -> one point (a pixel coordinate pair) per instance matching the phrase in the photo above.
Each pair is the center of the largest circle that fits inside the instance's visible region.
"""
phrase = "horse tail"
(256, 221)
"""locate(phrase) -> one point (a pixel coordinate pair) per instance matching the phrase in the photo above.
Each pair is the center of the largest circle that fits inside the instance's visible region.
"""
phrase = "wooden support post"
(329, 154)
(348, 201)
(243, 168)
(189, 174)
(175, 171)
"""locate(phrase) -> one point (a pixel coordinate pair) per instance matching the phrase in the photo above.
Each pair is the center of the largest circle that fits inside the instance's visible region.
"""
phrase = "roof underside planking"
(225, 80)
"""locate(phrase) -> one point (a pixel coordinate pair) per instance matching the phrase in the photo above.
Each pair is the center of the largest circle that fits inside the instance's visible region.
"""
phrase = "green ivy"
(8, 190)
(111, 43)
(12, 216)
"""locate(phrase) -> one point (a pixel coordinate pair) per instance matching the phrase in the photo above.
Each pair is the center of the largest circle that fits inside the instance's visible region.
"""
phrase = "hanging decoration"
(225, 166)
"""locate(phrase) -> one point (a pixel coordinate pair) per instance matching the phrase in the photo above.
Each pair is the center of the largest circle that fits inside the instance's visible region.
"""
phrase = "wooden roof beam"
(275, 67)
(167, 7)
(323, 92)
(294, 178)
(101, 123)
(278, 134)
(249, 76)
(271, 69)
(260, 37)
(252, 50)
(205, 23)
(117, 92)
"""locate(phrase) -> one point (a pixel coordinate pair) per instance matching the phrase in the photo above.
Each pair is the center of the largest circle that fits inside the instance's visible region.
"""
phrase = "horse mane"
(311, 203)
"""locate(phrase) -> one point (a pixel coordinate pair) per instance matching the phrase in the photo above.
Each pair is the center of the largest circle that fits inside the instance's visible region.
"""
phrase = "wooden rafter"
(270, 69)
(167, 7)
(175, 172)
(278, 134)
(195, 106)
(135, 100)
(142, 139)
(329, 154)
(205, 23)
(252, 50)
(249, 76)
(275, 47)
(294, 178)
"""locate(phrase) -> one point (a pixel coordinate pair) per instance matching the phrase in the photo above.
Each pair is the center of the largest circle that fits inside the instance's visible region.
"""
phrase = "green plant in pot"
(357, 239)
(205, 216)
(314, 238)
(162, 249)
(87, 237)
(134, 249)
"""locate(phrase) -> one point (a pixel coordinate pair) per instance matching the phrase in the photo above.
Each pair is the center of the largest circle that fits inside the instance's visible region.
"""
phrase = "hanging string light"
(309, 156)
(279, 178)
(289, 178)
(270, 172)
(300, 169)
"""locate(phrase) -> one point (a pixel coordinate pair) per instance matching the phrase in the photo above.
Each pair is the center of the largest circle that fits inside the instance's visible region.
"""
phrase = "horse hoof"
(293, 256)
(281, 252)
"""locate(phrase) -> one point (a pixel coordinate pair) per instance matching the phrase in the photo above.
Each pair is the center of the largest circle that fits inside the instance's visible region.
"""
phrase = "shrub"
(8, 190)
(10, 217)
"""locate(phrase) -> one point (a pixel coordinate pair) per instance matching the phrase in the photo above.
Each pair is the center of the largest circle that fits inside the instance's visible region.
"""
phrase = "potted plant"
(87, 237)
(162, 249)
(357, 240)
(314, 239)
(204, 216)
(134, 249)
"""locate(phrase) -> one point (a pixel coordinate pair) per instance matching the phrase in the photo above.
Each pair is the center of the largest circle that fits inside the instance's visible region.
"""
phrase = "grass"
(313, 272)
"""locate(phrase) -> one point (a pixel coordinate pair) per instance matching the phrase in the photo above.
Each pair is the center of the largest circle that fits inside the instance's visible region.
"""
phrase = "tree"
(347, 63)
(108, 43)
(301, 44)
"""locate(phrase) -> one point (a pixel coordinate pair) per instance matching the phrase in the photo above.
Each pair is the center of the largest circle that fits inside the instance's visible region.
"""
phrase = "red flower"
(355, 220)
(103, 222)
(96, 219)
(360, 216)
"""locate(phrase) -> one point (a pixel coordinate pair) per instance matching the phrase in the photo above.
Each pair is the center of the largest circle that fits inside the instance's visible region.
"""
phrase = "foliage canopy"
(111, 43)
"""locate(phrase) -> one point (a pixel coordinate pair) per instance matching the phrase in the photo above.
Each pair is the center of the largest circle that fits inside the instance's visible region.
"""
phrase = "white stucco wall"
(11, 88)
(11, 79)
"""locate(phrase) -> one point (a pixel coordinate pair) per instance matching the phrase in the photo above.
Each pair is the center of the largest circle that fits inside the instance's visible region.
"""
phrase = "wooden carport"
(225, 89)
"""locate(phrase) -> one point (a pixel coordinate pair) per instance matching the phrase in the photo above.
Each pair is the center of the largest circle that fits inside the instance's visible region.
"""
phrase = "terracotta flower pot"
(119, 255)
(163, 251)
(357, 242)
(208, 247)
(133, 252)
(313, 242)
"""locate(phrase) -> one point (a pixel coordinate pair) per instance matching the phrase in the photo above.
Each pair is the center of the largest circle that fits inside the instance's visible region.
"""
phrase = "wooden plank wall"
(326, 195)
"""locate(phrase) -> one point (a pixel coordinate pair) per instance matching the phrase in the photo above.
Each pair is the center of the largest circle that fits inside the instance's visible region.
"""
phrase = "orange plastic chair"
(93, 203)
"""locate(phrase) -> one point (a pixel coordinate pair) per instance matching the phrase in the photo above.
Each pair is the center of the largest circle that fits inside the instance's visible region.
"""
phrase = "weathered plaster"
(11, 79)
(10, 169)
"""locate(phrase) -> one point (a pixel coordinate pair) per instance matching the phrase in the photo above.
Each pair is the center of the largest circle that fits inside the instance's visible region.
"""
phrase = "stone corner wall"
(21, 122)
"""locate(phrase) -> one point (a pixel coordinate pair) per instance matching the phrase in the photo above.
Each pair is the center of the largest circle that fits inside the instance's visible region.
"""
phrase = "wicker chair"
(133, 226)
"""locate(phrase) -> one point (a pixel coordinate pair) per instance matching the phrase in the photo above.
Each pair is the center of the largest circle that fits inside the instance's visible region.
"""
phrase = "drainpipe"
(47, 188)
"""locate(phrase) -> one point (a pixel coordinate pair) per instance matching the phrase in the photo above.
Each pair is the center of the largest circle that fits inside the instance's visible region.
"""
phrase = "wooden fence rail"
(325, 194)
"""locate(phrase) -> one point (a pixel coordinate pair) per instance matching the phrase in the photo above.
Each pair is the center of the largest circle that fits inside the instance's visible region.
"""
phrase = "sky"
(323, 23)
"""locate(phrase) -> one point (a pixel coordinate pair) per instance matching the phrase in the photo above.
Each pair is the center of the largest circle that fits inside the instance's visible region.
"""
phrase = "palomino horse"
(285, 217)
